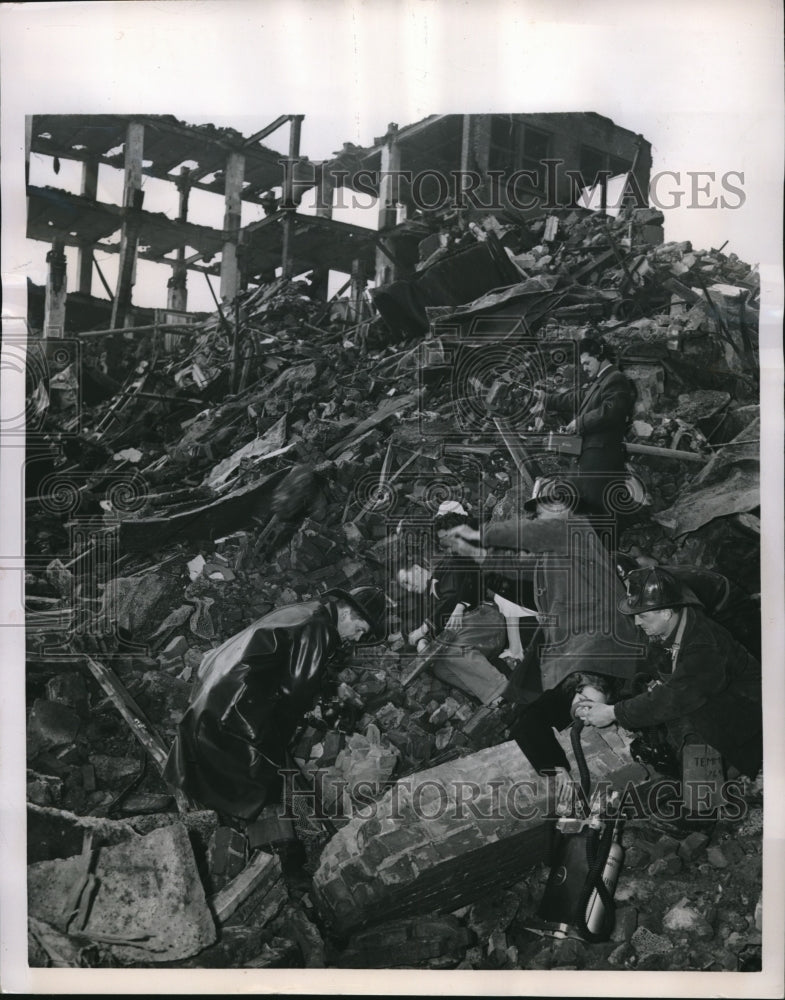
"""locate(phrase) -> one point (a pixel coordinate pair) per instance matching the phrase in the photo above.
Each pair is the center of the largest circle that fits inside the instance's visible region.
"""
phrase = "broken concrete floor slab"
(149, 904)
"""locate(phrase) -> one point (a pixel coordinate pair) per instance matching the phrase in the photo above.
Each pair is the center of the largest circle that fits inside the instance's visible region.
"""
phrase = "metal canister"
(595, 908)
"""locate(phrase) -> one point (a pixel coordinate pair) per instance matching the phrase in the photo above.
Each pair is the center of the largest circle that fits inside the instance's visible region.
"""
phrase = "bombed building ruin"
(189, 473)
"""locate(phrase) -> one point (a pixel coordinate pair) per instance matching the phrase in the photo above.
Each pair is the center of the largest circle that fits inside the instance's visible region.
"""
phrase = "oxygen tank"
(595, 908)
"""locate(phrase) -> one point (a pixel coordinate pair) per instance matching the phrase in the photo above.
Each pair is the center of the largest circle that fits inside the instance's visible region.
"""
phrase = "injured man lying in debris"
(469, 619)
(253, 691)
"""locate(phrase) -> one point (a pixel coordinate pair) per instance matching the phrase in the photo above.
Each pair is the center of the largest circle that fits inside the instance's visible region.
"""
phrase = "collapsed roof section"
(503, 162)
(168, 143)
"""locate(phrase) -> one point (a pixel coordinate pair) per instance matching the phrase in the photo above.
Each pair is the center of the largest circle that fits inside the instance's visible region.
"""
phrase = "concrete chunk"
(149, 897)
(50, 724)
(446, 836)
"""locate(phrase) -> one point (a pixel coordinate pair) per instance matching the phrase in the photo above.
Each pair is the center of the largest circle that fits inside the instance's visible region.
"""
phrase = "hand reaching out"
(462, 541)
(595, 713)
(417, 635)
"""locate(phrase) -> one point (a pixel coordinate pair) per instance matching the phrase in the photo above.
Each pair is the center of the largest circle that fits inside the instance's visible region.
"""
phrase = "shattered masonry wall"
(398, 861)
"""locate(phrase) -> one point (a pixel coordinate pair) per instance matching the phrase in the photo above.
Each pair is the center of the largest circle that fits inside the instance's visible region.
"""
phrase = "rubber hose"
(577, 749)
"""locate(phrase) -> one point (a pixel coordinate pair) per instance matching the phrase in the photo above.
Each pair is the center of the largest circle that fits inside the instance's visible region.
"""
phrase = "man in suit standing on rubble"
(603, 412)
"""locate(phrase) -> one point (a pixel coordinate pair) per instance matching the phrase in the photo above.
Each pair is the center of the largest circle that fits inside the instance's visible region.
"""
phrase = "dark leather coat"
(251, 693)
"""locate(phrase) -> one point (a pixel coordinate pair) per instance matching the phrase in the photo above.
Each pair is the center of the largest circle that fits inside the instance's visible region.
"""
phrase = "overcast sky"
(701, 81)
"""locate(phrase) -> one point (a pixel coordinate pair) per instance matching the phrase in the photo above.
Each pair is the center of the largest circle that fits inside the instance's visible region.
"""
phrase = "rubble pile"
(267, 453)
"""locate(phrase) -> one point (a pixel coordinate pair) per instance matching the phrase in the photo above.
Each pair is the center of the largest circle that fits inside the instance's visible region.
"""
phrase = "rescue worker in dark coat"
(603, 411)
(252, 692)
(712, 684)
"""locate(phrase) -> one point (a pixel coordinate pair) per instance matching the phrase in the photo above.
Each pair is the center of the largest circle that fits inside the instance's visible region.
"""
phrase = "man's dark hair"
(443, 522)
(403, 555)
(595, 347)
(608, 685)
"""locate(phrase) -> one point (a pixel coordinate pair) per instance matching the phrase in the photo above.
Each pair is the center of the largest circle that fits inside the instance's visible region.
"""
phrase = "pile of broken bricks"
(347, 426)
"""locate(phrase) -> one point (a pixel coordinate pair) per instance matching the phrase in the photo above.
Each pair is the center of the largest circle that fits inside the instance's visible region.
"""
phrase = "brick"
(647, 943)
(402, 839)
(375, 852)
(439, 716)
(355, 871)
(424, 857)
(458, 843)
(365, 896)
(443, 737)
(336, 894)
(396, 871)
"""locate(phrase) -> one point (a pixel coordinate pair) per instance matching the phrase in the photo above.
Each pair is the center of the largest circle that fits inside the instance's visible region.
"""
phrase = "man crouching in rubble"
(711, 685)
(252, 692)
(575, 587)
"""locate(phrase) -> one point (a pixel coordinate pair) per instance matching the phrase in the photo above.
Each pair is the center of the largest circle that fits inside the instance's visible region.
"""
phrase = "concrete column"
(287, 263)
(388, 191)
(233, 189)
(56, 287)
(325, 190)
(357, 289)
(89, 190)
(475, 153)
(177, 291)
(132, 203)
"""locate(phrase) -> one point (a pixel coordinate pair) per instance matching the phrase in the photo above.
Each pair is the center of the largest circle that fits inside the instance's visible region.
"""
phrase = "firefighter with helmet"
(709, 684)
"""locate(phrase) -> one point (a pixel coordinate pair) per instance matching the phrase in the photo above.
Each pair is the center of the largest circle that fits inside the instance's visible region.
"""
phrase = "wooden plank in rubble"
(142, 729)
